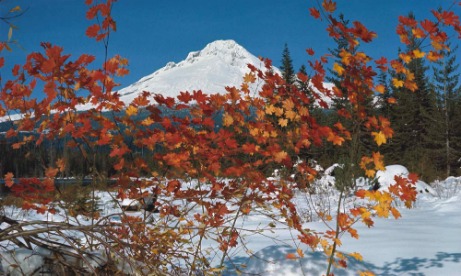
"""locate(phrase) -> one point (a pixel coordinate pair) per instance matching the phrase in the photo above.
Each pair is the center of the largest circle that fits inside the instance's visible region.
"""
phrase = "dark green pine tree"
(304, 87)
(448, 90)
(288, 72)
(341, 43)
(412, 119)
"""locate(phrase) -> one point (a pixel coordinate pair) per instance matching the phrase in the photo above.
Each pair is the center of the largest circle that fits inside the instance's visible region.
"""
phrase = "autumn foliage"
(210, 167)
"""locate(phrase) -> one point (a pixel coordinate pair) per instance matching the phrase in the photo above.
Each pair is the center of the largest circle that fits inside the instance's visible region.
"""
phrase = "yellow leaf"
(131, 110)
(15, 9)
(283, 122)
(227, 120)
(290, 114)
(288, 104)
(356, 256)
(147, 122)
(370, 173)
(270, 109)
(418, 53)
(406, 58)
(366, 273)
(300, 252)
(338, 69)
(278, 111)
(254, 131)
(397, 83)
(380, 138)
(10, 33)
(378, 160)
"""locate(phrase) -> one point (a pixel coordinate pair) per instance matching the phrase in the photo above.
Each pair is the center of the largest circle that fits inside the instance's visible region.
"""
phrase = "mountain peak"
(227, 50)
(221, 63)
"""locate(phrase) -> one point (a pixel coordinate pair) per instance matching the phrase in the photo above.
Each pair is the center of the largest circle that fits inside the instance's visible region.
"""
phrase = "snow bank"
(386, 178)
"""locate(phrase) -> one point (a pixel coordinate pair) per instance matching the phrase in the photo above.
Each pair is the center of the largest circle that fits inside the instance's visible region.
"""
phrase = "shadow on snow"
(273, 260)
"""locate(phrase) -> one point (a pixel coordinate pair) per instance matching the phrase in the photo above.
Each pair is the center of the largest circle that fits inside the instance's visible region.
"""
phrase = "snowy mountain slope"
(221, 63)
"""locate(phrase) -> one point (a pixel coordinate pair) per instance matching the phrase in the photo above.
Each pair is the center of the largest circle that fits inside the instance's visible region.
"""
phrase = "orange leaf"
(131, 110)
(380, 88)
(9, 179)
(173, 186)
(280, 156)
(288, 104)
(291, 256)
(329, 6)
(51, 172)
(249, 78)
(335, 139)
(300, 252)
(392, 100)
(92, 31)
(314, 13)
(283, 122)
(395, 213)
(61, 164)
(227, 120)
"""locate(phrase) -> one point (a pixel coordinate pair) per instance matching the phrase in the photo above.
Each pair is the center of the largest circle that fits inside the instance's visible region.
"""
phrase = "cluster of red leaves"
(105, 25)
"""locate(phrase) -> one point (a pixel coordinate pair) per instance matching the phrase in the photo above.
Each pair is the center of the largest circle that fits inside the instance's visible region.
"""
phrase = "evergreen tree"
(288, 72)
(303, 86)
(414, 118)
(446, 85)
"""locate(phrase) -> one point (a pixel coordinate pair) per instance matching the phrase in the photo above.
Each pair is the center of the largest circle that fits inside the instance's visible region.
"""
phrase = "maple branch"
(332, 256)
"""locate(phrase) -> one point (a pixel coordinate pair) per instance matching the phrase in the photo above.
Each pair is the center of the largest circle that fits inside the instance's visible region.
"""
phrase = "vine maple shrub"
(208, 156)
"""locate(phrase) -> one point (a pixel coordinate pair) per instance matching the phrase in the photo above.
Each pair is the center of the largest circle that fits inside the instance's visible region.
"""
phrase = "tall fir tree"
(305, 87)
(288, 72)
(446, 85)
(414, 117)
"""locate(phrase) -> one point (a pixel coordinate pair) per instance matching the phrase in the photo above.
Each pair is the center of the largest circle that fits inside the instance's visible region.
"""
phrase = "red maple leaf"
(314, 13)
(93, 30)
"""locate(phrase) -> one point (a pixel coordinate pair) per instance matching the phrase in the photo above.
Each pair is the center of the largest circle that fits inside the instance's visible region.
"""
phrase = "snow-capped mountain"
(221, 63)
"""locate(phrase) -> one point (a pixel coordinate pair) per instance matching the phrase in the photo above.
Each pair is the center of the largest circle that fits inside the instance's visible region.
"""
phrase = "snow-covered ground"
(425, 241)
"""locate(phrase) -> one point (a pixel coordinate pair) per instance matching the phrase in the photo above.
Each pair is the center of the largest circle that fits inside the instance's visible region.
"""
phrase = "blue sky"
(153, 32)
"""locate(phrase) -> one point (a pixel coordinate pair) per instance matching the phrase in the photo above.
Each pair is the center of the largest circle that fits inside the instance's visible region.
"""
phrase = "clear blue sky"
(153, 32)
